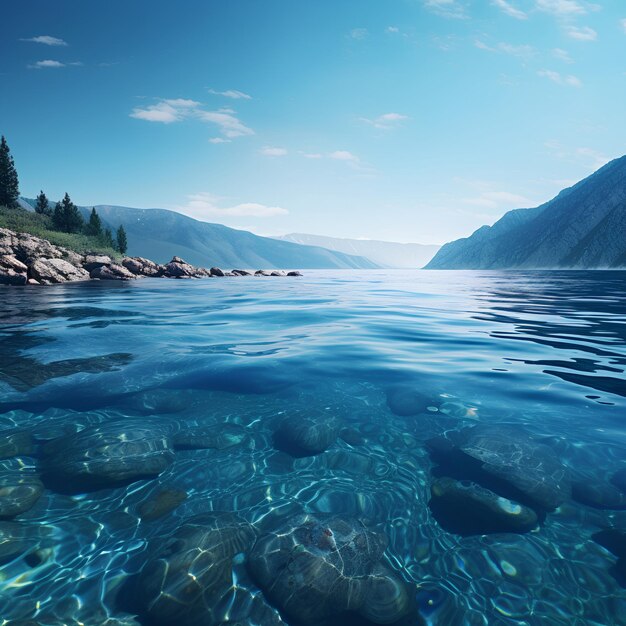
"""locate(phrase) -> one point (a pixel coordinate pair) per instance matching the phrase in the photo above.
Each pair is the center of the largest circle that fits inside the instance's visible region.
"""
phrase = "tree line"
(65, 215)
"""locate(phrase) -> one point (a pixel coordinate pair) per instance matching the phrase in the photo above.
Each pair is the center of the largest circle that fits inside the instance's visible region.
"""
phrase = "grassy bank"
(23, 221)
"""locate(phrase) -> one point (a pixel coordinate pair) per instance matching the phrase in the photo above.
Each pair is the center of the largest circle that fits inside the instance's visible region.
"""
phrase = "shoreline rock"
(29, 260)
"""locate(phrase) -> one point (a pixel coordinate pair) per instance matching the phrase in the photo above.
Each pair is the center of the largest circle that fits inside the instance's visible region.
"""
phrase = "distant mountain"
(383, 253)
(583, 227)
(159, 234)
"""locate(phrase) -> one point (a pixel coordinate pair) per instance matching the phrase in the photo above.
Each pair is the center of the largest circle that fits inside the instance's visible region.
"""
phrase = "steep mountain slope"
(160, 234)
(583, 227)
(383, 253)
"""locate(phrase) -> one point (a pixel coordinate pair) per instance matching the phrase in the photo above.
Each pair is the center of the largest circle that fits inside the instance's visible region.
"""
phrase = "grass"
(22, 221)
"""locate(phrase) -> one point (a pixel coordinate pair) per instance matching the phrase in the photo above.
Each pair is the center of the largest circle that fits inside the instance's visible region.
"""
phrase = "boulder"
(405, 400)
(507, 460)
(112, 272)
(216, 271)
(8, 261)
(94, 261)
(294, 273)
(241, 273)
(177, 268)
(50, 271)
(188, 574)
(18, 493)
(318, 568)
(278, 273)
(15, 443)
(465, 508)
(107, 454)
(262, 273)
(11, 277)
(302, 436)
(160, 504)
(142, 267)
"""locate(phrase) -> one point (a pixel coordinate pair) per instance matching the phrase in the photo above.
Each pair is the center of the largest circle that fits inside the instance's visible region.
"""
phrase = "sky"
(403, 120)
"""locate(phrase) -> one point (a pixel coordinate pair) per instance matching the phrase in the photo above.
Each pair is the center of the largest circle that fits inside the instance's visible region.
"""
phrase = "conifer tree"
(42, 206)
(94, 226)
(122, 241)
(67, 217)
(9, 187)
(107, 238)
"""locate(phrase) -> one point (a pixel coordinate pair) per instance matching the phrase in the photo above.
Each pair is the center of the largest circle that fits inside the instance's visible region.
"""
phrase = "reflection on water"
(347, 448)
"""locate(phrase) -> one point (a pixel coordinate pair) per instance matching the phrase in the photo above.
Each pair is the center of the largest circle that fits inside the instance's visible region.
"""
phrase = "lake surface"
(424, 447)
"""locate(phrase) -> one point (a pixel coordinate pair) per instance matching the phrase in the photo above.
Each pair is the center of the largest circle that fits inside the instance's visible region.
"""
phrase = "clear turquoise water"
(544, 352)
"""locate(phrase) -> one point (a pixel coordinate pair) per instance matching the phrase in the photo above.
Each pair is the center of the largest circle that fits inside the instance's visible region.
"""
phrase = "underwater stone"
(614, 540)
(465, 508)
(160, 504)
(15, 443)
(18, 538)
(189, 572)
(317, 568)
(508, 457)
(218, 436)
(18, 493)
(306, 436)
(598, 495)
(107, 454)
(406, 401)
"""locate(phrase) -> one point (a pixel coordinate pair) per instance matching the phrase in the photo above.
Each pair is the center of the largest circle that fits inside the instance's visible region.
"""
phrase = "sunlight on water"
(376, 447)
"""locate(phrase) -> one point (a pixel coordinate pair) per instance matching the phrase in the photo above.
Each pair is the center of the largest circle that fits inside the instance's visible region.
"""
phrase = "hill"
(160, 234)
(383, 253)
(583, 227)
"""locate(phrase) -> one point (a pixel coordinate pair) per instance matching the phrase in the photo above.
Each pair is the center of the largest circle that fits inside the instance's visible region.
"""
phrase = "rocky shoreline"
(29, 260)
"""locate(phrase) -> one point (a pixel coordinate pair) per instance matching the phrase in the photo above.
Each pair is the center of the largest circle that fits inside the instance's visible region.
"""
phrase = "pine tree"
(94, 226)
(42, 206)
(122, 241)
(107, 238)
(67, 217)
(9, 187)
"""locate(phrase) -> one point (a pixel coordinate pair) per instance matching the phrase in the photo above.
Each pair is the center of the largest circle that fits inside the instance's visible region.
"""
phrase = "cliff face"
(583, 227)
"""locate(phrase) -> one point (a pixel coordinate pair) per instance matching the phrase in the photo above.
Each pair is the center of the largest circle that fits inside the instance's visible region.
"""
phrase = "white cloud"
(509, 9)
(176, 110)
(561, 8)
(521, 51)
(272, 151)
(592, 158)
(49, 63)
(583, 33)
(452, 9)
(560, 79)
(359, 33)
(562, 55)
(387, 121)
(392, 29)
(205, 205)
(344, 155)
(47, 40)
(231, 93)
(217, 140)
(623, 24)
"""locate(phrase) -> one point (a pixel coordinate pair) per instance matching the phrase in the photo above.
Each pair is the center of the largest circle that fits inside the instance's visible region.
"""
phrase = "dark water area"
(381, 447)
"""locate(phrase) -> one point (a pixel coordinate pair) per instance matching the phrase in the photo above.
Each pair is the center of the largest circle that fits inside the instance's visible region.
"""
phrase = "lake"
(362, 447)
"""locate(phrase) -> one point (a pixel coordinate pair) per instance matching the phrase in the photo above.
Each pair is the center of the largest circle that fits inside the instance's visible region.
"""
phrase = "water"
(539, 356)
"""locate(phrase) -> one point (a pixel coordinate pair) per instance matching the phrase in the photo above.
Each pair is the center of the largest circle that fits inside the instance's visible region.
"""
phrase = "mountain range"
(160, 234)
(583, 227)
(385, 254)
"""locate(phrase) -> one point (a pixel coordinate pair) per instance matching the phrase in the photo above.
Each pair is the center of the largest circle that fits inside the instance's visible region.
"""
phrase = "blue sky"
(405, 120)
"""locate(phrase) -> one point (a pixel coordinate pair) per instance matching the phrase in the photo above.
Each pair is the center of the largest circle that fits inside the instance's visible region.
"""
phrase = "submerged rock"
(218, 436)
(318, 568)
(189, 572)
(405, 401)
(614, 541)
(161, 503)
(506, 460)
(306, 436)
(465, 508)
(15, 443)
(19, 538)
(18, 493)
(107, 454)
